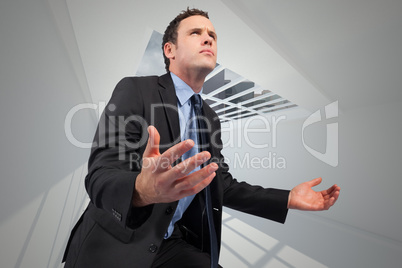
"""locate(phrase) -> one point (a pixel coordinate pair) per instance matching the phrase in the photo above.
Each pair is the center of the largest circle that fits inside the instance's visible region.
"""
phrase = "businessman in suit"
(147, 204)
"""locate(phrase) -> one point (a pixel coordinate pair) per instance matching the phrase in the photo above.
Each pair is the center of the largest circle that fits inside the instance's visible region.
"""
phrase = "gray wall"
(41, 193)
(41, 171)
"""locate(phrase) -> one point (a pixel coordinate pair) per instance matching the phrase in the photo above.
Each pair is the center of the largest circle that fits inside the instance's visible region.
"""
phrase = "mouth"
(207, 51)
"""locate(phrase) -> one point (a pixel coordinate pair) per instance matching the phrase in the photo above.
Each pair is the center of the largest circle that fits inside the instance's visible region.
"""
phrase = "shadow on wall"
(307, 239)
(246, 246)
(37, 234)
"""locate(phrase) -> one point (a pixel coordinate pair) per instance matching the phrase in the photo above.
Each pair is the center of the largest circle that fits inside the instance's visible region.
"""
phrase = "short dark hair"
(171, 31)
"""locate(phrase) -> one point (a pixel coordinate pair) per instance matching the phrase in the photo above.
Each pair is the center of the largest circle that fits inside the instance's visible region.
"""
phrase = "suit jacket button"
(153, 248)
(169, 210)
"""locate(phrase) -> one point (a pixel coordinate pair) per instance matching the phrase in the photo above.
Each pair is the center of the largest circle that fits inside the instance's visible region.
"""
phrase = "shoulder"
(211, 114)
(134, 85)
(131, 81)
(130, 92)
(145, 82)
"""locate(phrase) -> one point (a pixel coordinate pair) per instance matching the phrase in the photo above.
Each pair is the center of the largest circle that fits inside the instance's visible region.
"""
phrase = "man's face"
(195, 49)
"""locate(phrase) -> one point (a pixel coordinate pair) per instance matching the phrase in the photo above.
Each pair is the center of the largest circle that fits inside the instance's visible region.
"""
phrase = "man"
(147, 204)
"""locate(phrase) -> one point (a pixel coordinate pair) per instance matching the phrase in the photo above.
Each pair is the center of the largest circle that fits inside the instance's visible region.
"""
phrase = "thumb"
(152, 148)
(315, 182)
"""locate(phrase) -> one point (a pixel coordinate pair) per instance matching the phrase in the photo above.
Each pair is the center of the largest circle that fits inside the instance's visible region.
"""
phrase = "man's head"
(192, 30)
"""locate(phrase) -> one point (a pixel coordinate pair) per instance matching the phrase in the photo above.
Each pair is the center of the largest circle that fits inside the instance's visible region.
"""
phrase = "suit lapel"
(169, 100)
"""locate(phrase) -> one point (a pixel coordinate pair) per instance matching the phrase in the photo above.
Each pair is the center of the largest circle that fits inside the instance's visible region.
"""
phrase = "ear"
(169, 49)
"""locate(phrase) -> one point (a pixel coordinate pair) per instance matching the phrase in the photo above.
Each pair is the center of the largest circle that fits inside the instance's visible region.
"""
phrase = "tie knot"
(196, 101)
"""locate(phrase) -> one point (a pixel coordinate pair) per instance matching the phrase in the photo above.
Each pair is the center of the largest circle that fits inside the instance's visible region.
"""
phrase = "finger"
(331, 201)
(176, 151)
(198, 187)
(331, 190)
(190, 164)
(335, 195)
(314, 182)
(199, 179)
(334, 189)
(152, 148)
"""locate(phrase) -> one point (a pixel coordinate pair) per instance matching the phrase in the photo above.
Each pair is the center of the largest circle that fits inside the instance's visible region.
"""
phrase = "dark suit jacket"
(111, 233)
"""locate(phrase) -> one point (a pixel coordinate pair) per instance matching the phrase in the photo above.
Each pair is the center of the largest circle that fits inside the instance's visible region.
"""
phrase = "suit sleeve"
(116, 153)
(268, 203)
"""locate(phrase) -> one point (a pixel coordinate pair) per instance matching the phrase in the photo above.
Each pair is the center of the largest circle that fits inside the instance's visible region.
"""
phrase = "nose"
(208, 39)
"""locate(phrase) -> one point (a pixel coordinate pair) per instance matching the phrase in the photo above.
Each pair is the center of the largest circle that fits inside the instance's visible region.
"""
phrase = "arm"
(268, 203)
(118, 140)
(244, 197)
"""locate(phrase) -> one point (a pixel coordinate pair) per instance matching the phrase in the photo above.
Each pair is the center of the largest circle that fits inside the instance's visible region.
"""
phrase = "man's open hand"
(159, 182)
(302, 197)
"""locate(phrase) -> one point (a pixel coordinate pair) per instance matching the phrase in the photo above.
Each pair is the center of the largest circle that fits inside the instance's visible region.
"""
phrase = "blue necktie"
(203, 143)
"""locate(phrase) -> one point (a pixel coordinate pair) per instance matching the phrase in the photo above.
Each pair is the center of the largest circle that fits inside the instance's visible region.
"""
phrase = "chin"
(207, 70)
(209, 67)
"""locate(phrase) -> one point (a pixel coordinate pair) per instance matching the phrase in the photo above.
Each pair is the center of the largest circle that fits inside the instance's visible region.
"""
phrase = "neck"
(195, 81)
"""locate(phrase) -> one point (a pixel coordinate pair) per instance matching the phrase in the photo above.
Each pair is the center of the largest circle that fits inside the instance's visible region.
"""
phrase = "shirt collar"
(183, 91)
